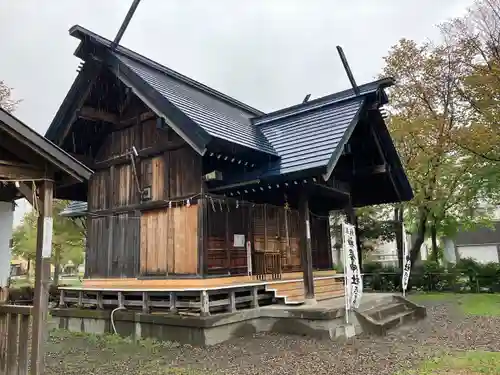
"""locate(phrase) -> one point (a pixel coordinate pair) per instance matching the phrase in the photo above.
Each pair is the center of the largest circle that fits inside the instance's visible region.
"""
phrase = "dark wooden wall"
(269, 228)
(128, 237)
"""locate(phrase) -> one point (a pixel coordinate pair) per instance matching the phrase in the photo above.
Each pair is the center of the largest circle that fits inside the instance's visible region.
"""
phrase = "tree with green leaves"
(477, 36)
(67, 240)
(450, 183)
(374, 226)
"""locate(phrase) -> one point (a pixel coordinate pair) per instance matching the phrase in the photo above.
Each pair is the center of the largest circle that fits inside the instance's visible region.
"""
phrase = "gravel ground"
(445, 329)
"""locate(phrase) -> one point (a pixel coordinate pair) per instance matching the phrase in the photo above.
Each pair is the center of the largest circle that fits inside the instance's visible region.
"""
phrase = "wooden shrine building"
(194, 188)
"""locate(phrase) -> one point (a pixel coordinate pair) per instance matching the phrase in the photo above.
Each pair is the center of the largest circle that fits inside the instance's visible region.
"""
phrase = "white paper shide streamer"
(406, 262)
(354, 281)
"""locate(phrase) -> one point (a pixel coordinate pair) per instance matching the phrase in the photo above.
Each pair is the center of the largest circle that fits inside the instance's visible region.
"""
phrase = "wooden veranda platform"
(192, 284)
(199, 296)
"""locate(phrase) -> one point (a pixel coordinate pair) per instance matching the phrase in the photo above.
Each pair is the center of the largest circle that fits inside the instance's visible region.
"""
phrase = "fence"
(458, 281)
(14, 339)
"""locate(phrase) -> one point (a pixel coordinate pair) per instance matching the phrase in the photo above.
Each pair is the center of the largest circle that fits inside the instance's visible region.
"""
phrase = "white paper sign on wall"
(239, 240)
(47, 237)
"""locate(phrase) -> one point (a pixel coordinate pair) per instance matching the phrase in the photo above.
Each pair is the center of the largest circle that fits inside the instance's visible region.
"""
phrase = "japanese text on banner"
(406, 262)
(354, 281)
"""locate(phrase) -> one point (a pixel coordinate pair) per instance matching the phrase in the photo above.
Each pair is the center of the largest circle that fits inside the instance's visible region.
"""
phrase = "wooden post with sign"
(306, 250)
(42, 277)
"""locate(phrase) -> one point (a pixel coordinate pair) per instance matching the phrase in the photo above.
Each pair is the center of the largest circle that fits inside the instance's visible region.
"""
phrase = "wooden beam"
(134, 120)
(11, 172)
(368, 171)
(42, 279)
(93, 114)
(306, 248)
(27, 192)
(143, 154)
(87, 79)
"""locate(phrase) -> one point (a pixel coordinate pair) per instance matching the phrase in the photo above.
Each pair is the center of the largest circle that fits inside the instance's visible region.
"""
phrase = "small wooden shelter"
(34, 168)
(195, 189)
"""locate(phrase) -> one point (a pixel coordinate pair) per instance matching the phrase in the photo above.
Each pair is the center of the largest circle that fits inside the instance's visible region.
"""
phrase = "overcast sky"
(266, 53)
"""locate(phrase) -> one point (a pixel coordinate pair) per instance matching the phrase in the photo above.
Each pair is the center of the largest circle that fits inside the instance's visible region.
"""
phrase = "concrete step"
(387, 315)
(383, 311)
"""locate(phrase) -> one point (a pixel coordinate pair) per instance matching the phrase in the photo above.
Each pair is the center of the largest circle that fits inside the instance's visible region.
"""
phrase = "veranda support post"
(42, 277)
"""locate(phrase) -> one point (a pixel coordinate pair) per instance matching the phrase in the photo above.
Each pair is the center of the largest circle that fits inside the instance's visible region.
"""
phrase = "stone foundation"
(324, 320)
(209, 330)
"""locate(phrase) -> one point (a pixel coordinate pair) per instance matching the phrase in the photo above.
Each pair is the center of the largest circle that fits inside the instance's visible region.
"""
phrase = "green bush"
(465, 276)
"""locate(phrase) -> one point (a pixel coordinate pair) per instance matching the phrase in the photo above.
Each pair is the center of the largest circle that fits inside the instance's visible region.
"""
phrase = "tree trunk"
(398, 229)
(435, 254)
(419, 240)
(28, 269)
(57, 265)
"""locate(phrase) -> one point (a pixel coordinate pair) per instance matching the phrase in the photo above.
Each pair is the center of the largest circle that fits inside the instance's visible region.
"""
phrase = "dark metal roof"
(479, 236)
(214, 113)
(43, 147)
(216, 117)
(75, 209)
(310, 138)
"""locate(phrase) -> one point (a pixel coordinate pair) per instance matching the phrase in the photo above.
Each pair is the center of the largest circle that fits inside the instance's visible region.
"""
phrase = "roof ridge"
(329, 99)
(77, 31)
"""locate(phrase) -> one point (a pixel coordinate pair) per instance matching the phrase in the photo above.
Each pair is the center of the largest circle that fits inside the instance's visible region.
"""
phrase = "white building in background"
(481, 244)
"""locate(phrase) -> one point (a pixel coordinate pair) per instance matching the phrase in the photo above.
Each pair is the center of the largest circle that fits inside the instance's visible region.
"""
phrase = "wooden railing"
(14, 339)
(267, 264)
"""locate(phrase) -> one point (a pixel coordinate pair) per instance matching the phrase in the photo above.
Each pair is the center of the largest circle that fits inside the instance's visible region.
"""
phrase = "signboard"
(352, 272)
(47, 237)
(239, 240)
(406, 262)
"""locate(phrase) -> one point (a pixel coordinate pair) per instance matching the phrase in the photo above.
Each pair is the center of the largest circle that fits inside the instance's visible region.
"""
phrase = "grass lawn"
(471, 304)
(465, 363)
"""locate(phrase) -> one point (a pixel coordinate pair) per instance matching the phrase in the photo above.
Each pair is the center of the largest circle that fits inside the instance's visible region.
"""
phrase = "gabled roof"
(196, 111)
(216, 117)
(43, 147)
(312, 135)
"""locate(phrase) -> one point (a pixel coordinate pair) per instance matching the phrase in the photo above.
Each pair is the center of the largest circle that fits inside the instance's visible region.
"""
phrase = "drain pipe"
(112, 320)
(120, 307)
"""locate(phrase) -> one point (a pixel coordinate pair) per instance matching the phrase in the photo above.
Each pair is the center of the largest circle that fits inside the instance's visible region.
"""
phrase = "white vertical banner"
(352, 271)
(249, 258)
(406, 262)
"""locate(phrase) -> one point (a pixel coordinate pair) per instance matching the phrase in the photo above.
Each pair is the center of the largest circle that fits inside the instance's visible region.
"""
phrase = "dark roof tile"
(216, 117)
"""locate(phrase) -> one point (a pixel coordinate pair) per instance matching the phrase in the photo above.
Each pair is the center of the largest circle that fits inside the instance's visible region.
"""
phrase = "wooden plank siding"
(169, 241)
(125, 238)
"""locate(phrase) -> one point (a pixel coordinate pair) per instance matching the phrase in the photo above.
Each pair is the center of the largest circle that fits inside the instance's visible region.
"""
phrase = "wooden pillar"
(42, 278)
(306, 249)
(202, 233)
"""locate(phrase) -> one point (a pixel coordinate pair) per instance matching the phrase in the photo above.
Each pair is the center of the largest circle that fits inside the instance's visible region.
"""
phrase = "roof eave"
(45, 148)
(192, 133)
(337, 153)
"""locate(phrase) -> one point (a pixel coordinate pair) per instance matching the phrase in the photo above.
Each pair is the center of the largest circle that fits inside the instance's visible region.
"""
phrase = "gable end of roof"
(82, 33)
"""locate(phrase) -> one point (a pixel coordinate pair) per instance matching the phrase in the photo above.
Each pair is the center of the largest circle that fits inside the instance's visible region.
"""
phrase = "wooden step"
(295, 299)
(286, 286)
